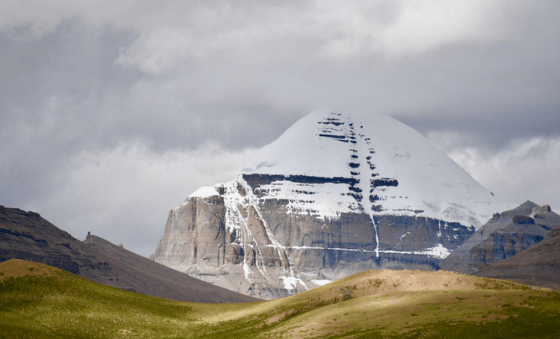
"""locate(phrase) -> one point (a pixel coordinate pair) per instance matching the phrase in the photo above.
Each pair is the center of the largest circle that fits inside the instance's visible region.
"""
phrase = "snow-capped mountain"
(334, 195)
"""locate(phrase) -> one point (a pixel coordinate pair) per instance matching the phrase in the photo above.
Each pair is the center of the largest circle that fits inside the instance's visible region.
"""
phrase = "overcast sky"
(113, 112)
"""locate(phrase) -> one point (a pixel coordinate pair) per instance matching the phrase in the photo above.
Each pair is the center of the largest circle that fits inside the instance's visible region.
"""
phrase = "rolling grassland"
(39, 301)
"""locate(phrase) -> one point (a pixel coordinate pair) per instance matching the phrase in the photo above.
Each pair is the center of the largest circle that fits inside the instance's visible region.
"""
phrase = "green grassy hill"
(39, 301)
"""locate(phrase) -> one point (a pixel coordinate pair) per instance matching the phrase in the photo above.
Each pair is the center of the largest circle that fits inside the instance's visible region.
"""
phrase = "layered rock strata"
(334, 195)
(505, 235)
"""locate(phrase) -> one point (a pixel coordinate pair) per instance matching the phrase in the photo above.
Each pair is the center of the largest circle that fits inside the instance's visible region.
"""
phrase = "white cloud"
(124, 194)
(157, 51)
(428, 24)
(170, 32)
(527, 169)
(42, 17)
(334, 29)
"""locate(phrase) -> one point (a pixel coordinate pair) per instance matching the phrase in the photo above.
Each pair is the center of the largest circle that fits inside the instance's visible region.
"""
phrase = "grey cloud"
(525, 169)
(124, 194)
(492, 131)
(48, 103)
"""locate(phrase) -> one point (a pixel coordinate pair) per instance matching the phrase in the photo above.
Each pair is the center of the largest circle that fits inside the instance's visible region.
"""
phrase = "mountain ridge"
(506, 235)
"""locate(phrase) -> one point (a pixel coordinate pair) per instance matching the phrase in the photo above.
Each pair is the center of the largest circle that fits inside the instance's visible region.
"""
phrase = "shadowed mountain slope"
(27, 236)
(504, 236)
(538, 265)
(159, 280)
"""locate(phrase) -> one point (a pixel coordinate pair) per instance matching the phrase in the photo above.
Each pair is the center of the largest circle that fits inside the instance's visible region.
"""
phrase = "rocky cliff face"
(335, 195)
(263, 251)
(504, 236)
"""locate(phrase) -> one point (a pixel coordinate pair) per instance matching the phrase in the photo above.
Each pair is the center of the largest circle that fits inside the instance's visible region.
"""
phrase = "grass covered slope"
(40, 301)
(43, 302)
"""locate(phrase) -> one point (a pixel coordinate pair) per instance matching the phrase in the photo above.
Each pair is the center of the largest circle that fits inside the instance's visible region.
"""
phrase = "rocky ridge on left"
(26, 235)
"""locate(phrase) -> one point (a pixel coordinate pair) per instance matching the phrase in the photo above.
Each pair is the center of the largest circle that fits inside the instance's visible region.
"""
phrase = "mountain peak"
(392, 166)
(334, 195)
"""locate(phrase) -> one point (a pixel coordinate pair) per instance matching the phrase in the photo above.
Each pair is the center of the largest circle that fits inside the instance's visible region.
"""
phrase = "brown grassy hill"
(538, 265)
(39, 301)
(26, 235)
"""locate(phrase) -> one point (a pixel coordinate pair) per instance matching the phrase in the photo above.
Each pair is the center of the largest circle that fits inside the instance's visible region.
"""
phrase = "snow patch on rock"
(438, 251)
(290, 283)
(204, 192)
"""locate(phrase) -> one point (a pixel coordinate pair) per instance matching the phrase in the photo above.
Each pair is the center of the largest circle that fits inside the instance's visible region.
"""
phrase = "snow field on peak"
(428, 180)
(299, 151)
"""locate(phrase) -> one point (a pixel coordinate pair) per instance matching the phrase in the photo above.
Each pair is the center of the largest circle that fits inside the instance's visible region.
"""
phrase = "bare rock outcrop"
(270, 244)
(538, 265)
(504, 236)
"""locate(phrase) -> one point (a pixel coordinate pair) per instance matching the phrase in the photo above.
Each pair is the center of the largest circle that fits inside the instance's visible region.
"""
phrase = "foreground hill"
(336, 194)
(538, 265)
(42, 301)
(26, 235)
